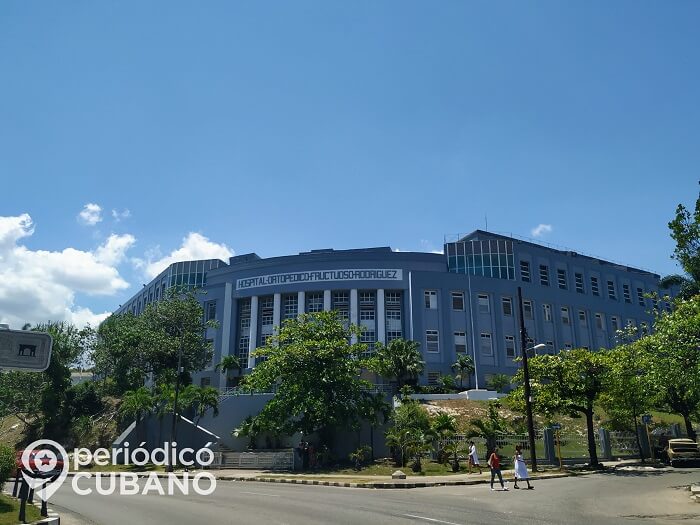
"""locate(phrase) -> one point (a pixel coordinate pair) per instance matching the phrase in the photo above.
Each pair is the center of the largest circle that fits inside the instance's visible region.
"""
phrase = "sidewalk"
(358, 480)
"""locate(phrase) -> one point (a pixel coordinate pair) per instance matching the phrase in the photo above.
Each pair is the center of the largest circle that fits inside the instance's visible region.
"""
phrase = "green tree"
(627, 393)
(569, 383)
(7, 464)
(228, 364)
(399, 360)
(464, 368)
(685, 230)
(674, 367)
(499, 382)
(250, 428)
(130, 348)
(376, 411)
(491, 426)
(137, 404)
(410, 428)
(202, 399)
(315, 371)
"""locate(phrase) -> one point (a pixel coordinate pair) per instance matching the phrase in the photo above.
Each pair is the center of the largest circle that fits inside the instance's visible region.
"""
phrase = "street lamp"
(526, 374)
(537, 347)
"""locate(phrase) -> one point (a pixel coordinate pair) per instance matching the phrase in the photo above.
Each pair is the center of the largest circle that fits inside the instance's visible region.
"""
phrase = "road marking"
(261, 494)
(432, 520)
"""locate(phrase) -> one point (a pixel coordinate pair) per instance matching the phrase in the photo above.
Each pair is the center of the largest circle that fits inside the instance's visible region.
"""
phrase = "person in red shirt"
(495, 466)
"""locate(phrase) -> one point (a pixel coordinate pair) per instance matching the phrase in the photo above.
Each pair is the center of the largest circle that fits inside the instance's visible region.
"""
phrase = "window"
(547, 312)
(291, 304)
(544, 275)
(340, 302)
(392, 298)
(611, 291)
(486, 347)
(367, 314)
(626, 293)
(525, 271)
(507, 303)
(432, 341)
(600, 322)
(205, 381)
(433, 378)
(460, 342)
(640, 297)
(615, 323)
(567, 346)
(486, 258)
(561, 279)
(582, 318)
(211, 310)
(314, 302)
(484, 307)
(457, 301)
(431, 299)
(366, 298)
(579, 282)
(527, 309)
(594, 286)
(550, 347)
(393, 316)
(510, 346)
(565, 315)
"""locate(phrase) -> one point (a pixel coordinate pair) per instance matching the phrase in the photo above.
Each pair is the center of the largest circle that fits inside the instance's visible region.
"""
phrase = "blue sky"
(278, 127)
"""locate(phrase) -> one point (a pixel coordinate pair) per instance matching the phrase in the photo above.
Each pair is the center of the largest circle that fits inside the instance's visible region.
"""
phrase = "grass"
(9, 511)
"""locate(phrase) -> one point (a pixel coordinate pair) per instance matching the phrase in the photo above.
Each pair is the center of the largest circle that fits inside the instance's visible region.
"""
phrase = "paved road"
(621, 497)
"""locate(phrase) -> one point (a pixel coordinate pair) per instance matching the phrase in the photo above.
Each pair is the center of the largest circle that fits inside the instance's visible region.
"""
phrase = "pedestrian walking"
(520, 468)
(494, 463)
(473, 457)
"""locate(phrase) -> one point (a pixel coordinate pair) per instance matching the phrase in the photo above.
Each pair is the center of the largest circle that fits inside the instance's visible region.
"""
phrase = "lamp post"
(526, 374)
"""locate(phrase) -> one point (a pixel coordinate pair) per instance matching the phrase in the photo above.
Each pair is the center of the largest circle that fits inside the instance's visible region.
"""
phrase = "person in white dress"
(520, 468)
(473, 457)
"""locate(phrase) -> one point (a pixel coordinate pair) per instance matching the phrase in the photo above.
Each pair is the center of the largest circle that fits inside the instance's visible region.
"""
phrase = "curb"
(379, 484)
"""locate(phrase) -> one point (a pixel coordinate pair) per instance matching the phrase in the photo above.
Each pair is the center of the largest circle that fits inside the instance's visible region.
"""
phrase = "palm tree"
(464, 366)
(499, 382)
(250, 428)
(204, 398)
(228, 364)
(442, 426)
(399, 360)
(137, 404)
(376, 411)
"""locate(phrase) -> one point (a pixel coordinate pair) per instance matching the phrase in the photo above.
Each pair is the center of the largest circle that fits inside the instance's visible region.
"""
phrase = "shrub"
(7, 464)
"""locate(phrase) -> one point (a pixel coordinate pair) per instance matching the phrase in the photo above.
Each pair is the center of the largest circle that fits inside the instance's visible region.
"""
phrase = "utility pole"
(526, 374)
(173, 430)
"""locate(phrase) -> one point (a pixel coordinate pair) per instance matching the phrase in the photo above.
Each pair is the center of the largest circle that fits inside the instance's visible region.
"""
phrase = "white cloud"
(541, 230)
(113, 251)
(39, 285)
(91, 214)
(194, 246)
(119, 216)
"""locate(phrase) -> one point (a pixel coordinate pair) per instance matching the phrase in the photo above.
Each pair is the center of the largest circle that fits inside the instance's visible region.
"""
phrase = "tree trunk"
(689, 427)
(371, 442)
(592, 452)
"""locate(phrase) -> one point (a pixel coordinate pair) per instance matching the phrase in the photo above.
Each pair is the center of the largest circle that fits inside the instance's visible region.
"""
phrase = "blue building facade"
(462, 301)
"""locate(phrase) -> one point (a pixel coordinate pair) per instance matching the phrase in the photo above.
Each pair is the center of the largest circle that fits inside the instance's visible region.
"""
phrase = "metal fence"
(623, 444)
(267, 460)
(575, 446)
